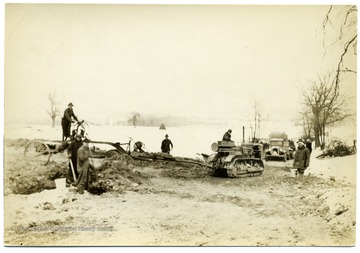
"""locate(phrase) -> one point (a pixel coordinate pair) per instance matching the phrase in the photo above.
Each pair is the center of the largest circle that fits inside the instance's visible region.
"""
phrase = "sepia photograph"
(179, 125)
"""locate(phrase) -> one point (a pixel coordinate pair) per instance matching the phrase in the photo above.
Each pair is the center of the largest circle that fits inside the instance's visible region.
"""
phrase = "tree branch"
(353, 8)
(346, 47)
(348, 70)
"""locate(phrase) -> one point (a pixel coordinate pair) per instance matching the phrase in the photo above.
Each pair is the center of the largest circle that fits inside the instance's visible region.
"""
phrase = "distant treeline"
(156, 121)
(140, 120)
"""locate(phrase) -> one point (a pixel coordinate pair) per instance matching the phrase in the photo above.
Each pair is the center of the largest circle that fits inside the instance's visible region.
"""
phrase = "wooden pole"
(72, 169)
(243, 134)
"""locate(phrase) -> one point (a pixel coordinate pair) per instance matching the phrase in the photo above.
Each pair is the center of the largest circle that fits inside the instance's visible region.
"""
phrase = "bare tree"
(327, 105)
(54, 107)
(307, 121)
(344, 22)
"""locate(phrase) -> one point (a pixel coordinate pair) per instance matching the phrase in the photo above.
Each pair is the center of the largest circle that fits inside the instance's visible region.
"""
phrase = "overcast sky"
(178, 60)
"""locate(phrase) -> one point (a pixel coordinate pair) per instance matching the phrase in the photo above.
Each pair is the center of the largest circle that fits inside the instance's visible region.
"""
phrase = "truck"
(280, 147)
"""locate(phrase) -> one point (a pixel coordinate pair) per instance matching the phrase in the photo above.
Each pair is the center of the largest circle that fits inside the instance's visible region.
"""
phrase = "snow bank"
(341, 168)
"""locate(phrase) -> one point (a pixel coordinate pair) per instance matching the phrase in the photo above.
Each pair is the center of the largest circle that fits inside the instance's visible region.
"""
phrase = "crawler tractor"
(236, 161)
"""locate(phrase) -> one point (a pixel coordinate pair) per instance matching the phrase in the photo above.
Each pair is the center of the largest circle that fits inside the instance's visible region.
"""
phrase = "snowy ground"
(339, 168)
(274, 209)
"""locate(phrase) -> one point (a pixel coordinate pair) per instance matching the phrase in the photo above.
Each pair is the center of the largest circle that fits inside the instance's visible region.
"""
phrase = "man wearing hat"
(165, 145)
(67, 120)
(301, 158)
(227, 135)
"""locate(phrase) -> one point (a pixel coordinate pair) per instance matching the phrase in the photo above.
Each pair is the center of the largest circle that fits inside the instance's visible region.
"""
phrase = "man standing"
(301, 158)
(227, 135)
(72, 152)
(67, 120)
(83, 163)
(308, 145)
(165, 145)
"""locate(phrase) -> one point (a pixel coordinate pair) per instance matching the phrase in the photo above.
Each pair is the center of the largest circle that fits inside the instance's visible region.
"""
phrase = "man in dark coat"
(308, 145)
(72, 152)
(301, 158)
(67, 120)
(165, 145)
(84, 164)
(227, 135)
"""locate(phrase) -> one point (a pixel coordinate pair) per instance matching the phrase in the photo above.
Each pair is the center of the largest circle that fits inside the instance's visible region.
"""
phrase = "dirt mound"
(117, 173)
(22, 176)
(179, 170)
(121, 172)
(170, 166)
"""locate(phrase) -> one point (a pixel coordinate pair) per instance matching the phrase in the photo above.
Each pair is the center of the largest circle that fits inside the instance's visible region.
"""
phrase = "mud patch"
(25, 177)
(117, 174)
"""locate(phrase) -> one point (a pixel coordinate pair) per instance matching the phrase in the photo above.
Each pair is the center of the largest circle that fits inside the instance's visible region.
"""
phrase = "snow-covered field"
(188, 141)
